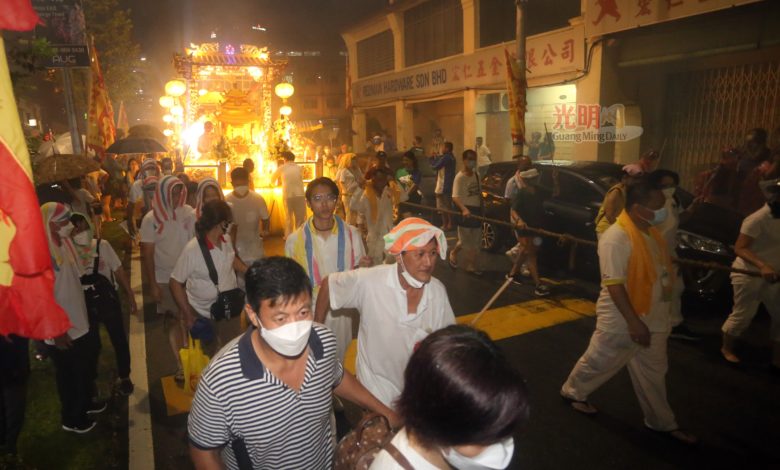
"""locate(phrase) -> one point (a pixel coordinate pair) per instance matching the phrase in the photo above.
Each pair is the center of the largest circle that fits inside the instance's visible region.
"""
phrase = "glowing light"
(167, 132)
(32, 122)
(285, 110)
(167, 118)
(284, 90)
(175, 88)
(177, 111)
(230, 50)
(190, 137)
(255, 72)
(202, 91)
(264, 56)
(166, 101)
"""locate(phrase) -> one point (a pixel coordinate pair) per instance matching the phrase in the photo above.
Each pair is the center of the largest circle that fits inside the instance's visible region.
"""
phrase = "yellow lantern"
(177, 111)
(167, 118)
(202, 91)
(284, 90)
(255, 72)
(166, 101)
(167, 132)
(285, 110)
(175, 88)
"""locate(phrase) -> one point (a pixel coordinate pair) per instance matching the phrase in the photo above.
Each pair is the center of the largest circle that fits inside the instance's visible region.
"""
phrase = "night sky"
(163, 27)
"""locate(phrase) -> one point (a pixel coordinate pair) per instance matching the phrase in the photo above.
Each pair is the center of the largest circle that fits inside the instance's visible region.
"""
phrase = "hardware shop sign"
(556, 52)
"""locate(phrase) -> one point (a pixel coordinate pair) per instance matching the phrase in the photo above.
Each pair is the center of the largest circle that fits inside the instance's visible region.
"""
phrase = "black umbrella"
(136, 145)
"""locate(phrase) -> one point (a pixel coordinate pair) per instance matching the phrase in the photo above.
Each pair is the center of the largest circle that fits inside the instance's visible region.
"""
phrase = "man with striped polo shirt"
(264, 401)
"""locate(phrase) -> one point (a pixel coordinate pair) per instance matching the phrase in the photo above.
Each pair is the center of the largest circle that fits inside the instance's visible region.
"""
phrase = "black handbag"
(100, 295)
(229, 303)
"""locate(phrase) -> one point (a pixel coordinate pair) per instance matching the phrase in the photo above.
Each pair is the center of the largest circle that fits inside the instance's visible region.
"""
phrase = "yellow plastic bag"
(193, 361)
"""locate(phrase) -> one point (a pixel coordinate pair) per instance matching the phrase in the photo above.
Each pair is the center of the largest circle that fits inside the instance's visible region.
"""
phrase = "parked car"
(709, 235)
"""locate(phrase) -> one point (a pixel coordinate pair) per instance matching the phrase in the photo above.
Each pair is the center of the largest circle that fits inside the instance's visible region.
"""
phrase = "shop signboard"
(609, 16)
(65, 29)
(556, 52)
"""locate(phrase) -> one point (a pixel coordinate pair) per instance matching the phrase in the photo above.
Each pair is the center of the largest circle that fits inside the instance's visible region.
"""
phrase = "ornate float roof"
(227, 55)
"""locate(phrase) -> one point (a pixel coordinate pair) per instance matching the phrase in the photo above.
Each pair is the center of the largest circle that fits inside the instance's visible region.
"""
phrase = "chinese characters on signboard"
(547, 54)
(65, 29)
(609, 16)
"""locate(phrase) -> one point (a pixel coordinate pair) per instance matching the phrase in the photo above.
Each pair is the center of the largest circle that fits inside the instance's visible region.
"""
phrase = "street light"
(175, 88)
(166, 101)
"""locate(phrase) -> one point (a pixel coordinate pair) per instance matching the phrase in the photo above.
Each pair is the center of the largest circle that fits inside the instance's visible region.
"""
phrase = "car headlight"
(700, 243)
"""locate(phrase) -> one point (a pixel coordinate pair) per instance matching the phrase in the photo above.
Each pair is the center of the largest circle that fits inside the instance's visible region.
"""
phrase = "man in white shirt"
(326, 244)
(291, 178)
(758, 246)
(633, 314)
(250, 219)
(399, 305)
(164, 232)
(483, 158)
(375, 204)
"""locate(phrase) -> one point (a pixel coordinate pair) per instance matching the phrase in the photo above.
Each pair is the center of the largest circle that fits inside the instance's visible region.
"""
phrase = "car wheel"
(490, 239)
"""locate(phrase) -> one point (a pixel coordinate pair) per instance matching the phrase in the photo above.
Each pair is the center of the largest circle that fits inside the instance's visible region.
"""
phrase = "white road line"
(139, 416)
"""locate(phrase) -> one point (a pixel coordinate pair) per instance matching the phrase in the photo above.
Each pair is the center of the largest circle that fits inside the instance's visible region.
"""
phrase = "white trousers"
(295, 208)
(607, 353)
(749, 292)
(340, 323)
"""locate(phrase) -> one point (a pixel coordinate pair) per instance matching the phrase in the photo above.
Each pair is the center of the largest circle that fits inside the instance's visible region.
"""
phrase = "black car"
(709, 235)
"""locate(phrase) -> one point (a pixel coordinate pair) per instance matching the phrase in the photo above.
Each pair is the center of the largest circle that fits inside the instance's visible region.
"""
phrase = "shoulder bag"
(229, 303)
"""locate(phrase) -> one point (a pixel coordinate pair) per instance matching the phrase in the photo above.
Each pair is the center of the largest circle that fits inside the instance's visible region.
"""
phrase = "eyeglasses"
(324, 198)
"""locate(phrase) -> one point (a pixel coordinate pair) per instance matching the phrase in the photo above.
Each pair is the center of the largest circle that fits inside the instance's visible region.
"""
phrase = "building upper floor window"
(433, 30)
(375, 54)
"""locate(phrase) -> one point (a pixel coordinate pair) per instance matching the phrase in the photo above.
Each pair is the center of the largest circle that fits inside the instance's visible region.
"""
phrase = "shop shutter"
(714, 108)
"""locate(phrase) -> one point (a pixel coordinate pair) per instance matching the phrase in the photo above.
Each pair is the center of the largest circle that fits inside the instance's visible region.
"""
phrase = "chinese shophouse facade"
(652, 65)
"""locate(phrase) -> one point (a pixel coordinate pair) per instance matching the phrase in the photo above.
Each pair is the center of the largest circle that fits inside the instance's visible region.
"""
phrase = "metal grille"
(712, 109)
(375, 54)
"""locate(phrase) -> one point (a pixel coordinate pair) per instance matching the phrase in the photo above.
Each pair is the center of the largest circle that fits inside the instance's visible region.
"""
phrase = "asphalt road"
(734, 411)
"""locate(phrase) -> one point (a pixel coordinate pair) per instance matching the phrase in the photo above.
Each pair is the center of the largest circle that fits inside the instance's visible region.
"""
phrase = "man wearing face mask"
(74, 354)
(399, 304)
(467, 198)
(265, 400)
(250, 219)
(632, 324)
(758, 246)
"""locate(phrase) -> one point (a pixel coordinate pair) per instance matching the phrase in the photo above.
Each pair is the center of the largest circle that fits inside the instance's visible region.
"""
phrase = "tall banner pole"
(518, 143)
(70, 110)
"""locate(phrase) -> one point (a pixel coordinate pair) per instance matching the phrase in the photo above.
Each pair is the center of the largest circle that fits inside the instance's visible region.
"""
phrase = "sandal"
(580, 406)
(678, 435)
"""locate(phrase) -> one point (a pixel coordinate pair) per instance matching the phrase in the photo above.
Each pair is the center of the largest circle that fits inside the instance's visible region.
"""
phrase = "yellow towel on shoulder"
(641, 266)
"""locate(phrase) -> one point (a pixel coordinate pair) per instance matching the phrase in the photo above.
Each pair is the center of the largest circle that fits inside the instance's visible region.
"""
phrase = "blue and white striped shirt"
(240, 404)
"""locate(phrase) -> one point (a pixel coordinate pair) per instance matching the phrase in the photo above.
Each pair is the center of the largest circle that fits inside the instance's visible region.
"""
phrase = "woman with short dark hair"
(461, 403)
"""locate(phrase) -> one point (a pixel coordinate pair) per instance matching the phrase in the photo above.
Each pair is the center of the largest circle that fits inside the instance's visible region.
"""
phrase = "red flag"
(101, 130)
(17, 15)
(27, 304)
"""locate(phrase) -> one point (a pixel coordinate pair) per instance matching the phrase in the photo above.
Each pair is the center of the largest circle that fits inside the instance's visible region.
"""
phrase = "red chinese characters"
(588, 115)
(644, 8)
(548, 54)
(567, 52)
(565, 117)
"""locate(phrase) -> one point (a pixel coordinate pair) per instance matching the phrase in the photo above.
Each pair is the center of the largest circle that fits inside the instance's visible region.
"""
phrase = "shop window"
(497, 18)
(433, 30)
(310, 103)
(375, 54)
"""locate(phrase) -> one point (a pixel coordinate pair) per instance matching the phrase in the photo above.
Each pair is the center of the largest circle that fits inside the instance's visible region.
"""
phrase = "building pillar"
(396, 21)
(359, 137)
(470, 25)
(404, 125)
(469, 119)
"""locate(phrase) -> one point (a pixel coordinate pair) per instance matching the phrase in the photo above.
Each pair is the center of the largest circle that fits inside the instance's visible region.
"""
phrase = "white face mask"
(668, 192)
(290, 339)
(241, 190)
(494, 457)
(411, 280)
(82, 238)
(65, 230)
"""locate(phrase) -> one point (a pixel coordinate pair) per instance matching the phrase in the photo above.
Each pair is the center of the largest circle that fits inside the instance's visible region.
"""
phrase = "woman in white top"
(461, 404)
(350, 179)
(192, 288)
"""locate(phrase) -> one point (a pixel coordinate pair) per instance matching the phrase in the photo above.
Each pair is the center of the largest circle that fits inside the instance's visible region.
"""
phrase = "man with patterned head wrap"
(141, 192)
(75, 353)
(164, 232)
(399, 304)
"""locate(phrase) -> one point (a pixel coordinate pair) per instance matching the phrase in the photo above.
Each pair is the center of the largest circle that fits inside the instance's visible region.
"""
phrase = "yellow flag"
(516, 88)
(101, 131)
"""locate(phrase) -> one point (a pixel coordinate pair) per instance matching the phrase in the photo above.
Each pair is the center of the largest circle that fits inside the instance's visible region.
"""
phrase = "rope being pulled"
(563, 238)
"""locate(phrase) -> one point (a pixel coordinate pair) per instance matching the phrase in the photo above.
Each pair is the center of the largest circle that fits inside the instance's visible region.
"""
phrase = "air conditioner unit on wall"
(503, 102)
